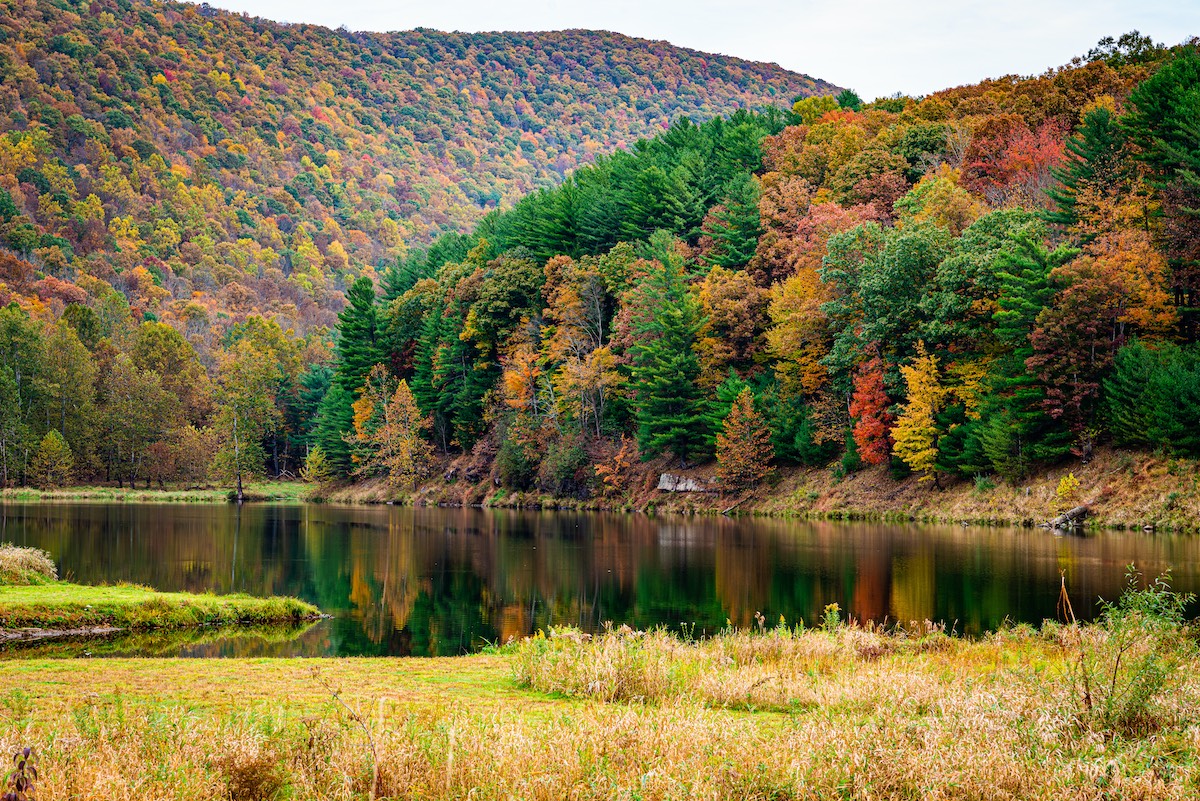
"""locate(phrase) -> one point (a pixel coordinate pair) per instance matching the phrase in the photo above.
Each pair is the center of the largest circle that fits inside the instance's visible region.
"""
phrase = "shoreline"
(1122, 491)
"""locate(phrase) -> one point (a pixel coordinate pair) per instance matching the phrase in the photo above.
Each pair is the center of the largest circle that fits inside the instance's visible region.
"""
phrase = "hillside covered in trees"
(979, 282)
(208, 166)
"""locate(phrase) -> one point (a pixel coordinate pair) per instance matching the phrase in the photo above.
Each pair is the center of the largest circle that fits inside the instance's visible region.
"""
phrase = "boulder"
(669, 482)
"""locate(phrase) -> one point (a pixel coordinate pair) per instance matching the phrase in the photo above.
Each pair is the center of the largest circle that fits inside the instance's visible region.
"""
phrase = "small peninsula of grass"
(64, 606)
(32, 597)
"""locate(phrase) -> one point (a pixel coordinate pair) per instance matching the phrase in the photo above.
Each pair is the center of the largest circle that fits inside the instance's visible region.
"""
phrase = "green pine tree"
(671, 410)
(735, 225)
(1016, 431)
(358, 336)
(1095, 163)
(438, 332)
(335, 421)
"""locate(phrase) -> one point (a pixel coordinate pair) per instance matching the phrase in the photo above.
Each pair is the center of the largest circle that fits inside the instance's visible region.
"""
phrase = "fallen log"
(1072, 518)
(736, 505)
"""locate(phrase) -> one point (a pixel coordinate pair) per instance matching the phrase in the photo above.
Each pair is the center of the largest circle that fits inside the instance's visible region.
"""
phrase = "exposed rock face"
(669, 482)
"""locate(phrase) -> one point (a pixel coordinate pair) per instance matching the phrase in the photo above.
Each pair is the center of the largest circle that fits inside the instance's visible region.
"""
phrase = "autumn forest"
(232, 248)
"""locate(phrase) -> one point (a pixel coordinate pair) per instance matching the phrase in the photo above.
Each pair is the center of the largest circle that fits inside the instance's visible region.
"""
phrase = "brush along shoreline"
(1118, 490)
(1115, 489)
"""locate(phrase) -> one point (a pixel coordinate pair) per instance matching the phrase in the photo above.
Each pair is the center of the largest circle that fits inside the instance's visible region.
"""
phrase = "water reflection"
(206, 641)
(444, 581)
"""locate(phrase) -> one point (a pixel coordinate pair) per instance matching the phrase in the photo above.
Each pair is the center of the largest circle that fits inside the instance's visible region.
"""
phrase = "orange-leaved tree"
(744, 450)
(869, 407)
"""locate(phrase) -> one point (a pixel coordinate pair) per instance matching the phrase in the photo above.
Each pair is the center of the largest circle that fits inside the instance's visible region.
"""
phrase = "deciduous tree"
(744, 450)
(916, 430)
(869, 407)
(53, 464)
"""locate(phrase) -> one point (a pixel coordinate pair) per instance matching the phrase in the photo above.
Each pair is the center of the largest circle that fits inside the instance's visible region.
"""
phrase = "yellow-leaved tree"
(53, 462)
(915, 434)
(389, 430)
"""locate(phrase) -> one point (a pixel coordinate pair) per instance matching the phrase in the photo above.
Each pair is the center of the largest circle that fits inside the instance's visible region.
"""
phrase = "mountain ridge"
(244, 165)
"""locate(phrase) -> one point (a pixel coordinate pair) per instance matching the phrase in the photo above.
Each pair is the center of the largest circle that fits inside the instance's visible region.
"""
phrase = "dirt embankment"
(1120, 488)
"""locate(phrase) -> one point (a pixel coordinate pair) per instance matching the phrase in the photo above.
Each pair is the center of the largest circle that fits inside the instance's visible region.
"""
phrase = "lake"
(401, 581)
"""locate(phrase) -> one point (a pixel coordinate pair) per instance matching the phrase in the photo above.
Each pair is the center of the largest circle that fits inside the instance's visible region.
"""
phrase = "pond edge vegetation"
(35, 604)
(831, 709)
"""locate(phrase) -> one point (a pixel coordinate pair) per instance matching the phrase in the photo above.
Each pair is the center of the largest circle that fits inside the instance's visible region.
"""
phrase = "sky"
(875, 47)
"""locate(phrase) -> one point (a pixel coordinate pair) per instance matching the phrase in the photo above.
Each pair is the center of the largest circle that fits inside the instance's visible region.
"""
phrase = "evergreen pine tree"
(718, 409)
(403, 276)
(1017, 431)
(1094, 163)
(314, 384)
(430, 372)
(734, 226)
(670, 407)
(358, 336)
(335, 421)
(1164, 120)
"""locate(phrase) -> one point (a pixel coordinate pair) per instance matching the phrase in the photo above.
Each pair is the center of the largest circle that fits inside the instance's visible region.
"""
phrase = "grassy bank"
(836, 712)
(159, 641)
(60, 605)
(262, 491)
(32, 597)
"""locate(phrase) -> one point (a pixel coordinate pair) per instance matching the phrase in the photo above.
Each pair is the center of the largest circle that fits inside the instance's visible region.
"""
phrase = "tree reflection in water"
(445, 581)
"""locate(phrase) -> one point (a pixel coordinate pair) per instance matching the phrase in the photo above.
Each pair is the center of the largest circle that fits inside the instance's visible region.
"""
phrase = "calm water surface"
(401, 581)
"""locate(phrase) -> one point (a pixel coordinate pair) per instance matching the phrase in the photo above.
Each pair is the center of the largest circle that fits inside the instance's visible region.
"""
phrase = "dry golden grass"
(846, 713)
(23, 566)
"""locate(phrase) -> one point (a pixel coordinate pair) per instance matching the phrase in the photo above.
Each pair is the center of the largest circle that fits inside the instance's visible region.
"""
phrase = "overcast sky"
(873, 46)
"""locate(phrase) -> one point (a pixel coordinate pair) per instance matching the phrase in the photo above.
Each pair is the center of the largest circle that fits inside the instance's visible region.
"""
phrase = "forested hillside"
(207, 166)
(982, 282)
(976, 283)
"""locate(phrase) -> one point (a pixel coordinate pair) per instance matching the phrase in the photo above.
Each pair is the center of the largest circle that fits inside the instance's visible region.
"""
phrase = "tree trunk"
(1069, 519)
(237, 458)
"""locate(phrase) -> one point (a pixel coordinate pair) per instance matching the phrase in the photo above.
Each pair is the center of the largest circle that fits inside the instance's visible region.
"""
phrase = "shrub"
(1067, 491)
(851, 461)
(516, 469)
(614, 472)
(25, 565)
(983, 483)
(251, 767)
(562, 471)
(1131, 660)
(20, 779)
